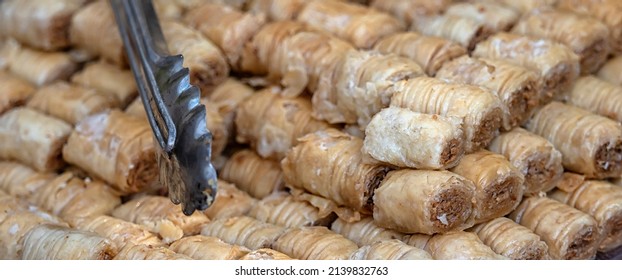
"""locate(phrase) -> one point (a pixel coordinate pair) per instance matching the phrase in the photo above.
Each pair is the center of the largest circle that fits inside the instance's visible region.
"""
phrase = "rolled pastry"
(329, 163)
(107, 77)
(590, 144)
(253, 174)
(286, 210)
(276, 10)
(498, 185)
(116, 148)
(21, 181)
(265, 254)
(607, 11)
(495, 16)
(272, 124)
(430, 52)
(534, 156)
(511, 240)
(144, 252)
(556, 64)
(516, 86)
(597, 96)
(407, 10)
(463, 30)
(612, 71)
(42, 24)
(14, 91)
(460, 245)
(314, 243)
(479, 109)
(201, 247)
(227, 98)
(120, 232)
(390, 250)
(587, 37)
(229, 29)
(69, 102)
(568, 232)
(161, 216)
(33, 138)
(229, 202)
(364, 232)
(523, 6)
(50, 242)
(423, 201)
(391, 132)
(601, 199)
(244, 231)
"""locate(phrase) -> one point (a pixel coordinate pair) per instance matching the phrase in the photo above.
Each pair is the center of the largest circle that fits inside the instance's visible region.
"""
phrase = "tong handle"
(145, 47)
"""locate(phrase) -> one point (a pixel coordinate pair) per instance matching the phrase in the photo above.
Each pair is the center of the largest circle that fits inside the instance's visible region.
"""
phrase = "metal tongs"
(175, 114)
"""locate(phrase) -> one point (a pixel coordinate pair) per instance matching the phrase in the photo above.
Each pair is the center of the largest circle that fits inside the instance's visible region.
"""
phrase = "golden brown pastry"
(511, 240)
(495, 16)
(217, 126)
(523, 6)
(286, 210)
(107, 77)
(568, 232)
(479, 109)
(329, 163)
(253, 174)
(607, 11)
(272, 124)
(364, 232)
(244, 231)
(201, 247)
(42, 24)
(459, 245)
(120, 232)
(71, 103)
(597, 96)
(276, 10)
(430, 52)
(133, 251)
(161, 216)
(21, 181)
(534, 156)
(265, 254)
(227, 98)
(314, 243)
(33, 138)
(407, 10)
(463, 30)
(116, 148)
(590, 144)
(391, 249)
(516, 86)
(612, 71)
(587, 37)
(14, 91)
(229, 202)
(51, 242)
(423, 201)
(498, 185)
(391, 132)
(601, 199)
(556, 64)
(167, 10)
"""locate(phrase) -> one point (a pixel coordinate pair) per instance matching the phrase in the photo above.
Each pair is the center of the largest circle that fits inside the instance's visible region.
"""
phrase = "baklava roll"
(329, 163)
(357, 24)
(136, 109)
(208, 65)
(120, 232)
(227, 98)
(423, 201)
(463, 30)
(276, 10)
(523, 6)
(516, 86)
(161, 216)
(37, 67)
(612, 71)
(556, 64)
(364, 232)
(265, 254)
(480, 110)
(33, 138)
(94, 30)
(133, 251)
(597, 96)
(217, 126)
(272, 124)
(228, 28)
(14, 91)
(407, 10)
(51, 242)
(201, 247)
(590, 144)
(245, 231)
(495, 16)
(286, 210)
(249, 172)
(314, 243)
(607, 11)
(460, 245)
(167, 10)
(71, 103)
(587, 37)
(391, 249)
(42, 24)
(107, 77)
(116, 148)
(511, 240)
(534, 156)
(568, 232)
(229, 202)
(601, 199)
(391, 132)
(21, 181)
(430, 52)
